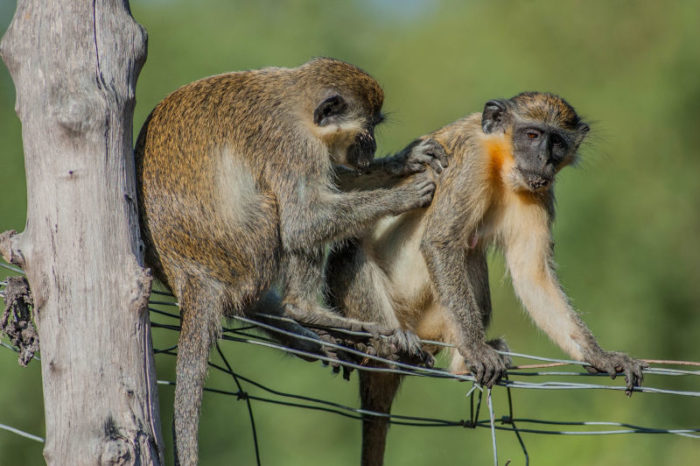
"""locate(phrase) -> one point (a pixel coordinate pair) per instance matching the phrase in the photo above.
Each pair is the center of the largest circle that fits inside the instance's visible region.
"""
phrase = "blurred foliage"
(627, 228)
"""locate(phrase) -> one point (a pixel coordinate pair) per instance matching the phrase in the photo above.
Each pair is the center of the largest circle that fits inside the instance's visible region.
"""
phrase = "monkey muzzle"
(361, 151)
(535, 181)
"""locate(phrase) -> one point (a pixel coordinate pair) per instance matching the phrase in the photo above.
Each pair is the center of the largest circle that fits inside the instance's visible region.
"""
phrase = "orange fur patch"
(500, 153)
(501, 161)
(529, 198)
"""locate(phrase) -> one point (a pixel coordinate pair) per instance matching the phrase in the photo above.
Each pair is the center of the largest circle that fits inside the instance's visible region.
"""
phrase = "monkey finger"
(411, 344)
(441, 155)
(416, 167)
(422, 161)
(427, 188)
(478, 372)
(437, 160)
(640, 374)
(489, 375)
(427, 360)
(436, 151)
(437, 166)
(376, 330)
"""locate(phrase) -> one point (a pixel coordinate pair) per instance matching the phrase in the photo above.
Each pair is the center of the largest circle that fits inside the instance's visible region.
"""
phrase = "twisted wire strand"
(245, 333)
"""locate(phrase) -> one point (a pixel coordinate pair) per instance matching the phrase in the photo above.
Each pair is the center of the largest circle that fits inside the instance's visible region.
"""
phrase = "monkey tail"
(199, 330)
(377, 392)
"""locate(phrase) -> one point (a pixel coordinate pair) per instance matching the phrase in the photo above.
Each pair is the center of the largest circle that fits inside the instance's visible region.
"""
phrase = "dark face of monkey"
(545, 132)
(361, 151)
(337, 115)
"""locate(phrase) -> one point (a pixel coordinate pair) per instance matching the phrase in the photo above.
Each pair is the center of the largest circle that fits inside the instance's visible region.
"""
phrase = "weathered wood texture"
(75, 65)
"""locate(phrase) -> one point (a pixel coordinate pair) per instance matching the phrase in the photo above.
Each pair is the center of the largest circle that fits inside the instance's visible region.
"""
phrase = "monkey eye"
(532, 134)
(328, 109)
(557, 140)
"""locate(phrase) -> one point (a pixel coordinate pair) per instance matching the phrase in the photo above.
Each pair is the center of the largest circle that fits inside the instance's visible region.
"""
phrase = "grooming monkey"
(426, 271)
(237, 200)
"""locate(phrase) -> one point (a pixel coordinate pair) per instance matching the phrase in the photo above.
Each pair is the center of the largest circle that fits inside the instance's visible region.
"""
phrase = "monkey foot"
(405, 346)
(399, 346)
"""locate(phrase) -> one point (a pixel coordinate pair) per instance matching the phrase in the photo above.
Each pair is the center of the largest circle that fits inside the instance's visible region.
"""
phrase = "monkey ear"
(493, 117)
(582, 130)
(330, 108)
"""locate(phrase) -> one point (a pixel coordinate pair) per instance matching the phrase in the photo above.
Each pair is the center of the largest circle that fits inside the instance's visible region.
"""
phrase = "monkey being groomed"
(237, 199)
(426, 270)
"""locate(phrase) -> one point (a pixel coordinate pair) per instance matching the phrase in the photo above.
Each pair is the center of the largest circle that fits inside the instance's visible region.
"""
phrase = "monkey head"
(348, 104)
(545, 134)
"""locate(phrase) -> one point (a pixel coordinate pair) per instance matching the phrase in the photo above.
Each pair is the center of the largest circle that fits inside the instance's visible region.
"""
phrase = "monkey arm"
(529, 258)
(375, 177)
(467, 300)
(315, 215)
(388, 171)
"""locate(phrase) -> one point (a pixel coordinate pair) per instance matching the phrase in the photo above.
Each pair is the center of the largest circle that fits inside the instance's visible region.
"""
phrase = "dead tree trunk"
(75, 65)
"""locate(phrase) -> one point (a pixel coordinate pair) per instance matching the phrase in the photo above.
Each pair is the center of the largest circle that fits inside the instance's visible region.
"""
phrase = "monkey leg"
(377, 392)
(200, 307)
(268, 309)
(303, 280)
(357, 287)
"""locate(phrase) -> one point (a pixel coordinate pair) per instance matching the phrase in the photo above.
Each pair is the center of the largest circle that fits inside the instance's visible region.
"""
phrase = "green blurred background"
(627, 227)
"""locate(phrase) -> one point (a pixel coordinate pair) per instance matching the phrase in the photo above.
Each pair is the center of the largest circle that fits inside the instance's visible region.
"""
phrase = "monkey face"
(540, 152)
(348, 134)
(542, 141)
(361, 152)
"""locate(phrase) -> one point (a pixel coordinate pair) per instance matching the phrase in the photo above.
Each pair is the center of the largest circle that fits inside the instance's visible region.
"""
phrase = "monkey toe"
(410, 345)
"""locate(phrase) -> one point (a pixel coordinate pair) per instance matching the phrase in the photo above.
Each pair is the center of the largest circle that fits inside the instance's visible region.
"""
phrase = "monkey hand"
(428, 152)
(417, 192)
(614, 363)
(485, 364)
(499, 344)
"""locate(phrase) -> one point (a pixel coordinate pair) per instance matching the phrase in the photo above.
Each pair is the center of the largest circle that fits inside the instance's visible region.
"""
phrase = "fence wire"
(242, 332)
(246, 330)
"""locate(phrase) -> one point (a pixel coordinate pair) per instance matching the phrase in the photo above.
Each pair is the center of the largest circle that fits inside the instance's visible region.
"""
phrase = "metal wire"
(21, 433)
(244, 334)
(505, 423)
(408, 369)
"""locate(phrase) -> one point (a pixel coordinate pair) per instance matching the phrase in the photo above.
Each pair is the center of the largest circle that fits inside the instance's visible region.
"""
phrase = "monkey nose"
(539, 182)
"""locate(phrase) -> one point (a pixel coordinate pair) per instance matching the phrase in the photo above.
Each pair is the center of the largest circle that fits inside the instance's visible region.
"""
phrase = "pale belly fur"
(393, 247)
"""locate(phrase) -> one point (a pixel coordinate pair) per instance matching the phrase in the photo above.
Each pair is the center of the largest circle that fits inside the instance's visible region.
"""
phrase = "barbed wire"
(242, 333)
(247, 330)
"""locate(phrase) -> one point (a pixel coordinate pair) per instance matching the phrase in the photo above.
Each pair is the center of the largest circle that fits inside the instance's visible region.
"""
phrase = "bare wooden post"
(75, 65)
